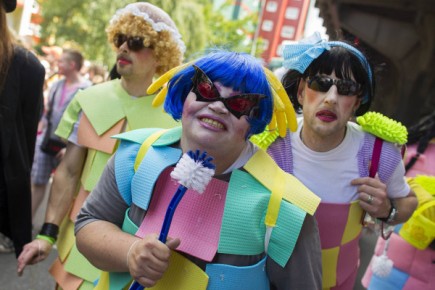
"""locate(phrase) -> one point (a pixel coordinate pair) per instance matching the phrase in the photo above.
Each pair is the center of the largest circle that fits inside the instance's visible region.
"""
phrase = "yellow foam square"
(182, 274)
(66, 238)
(353, 227)
(329, 266)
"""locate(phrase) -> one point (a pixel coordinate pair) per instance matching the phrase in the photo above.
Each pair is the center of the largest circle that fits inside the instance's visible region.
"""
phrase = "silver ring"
(370, 199)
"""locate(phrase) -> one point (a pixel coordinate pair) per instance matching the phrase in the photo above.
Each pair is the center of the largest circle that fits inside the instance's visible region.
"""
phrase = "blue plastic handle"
(136, 286)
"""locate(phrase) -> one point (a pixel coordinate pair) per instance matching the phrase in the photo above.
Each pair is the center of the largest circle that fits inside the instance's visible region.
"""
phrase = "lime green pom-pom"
(263, 140)
(383, 127)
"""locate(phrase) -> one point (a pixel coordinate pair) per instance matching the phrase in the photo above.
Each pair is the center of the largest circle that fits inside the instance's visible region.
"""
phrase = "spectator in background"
(147, 43)
(50, 59)
(96, 73)
(21, 102)
(59, 96)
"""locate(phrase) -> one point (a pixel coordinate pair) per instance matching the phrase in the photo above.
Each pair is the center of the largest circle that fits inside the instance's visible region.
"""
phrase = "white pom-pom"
(192, 174)
(382, 266)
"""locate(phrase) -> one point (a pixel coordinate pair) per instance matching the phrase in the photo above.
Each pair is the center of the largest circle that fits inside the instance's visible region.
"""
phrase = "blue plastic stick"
(170, 212)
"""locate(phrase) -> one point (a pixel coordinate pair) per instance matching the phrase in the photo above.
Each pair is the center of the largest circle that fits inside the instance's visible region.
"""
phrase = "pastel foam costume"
(101, 111)
(341, 230)
(339, 223)
(220, 221)
(409, 246)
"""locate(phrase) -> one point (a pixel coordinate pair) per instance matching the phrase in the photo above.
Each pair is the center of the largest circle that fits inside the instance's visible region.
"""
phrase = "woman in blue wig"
(252, 227)
(351, 170)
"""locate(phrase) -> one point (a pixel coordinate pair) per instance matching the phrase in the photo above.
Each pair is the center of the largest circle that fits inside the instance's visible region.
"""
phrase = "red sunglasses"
(238, 105)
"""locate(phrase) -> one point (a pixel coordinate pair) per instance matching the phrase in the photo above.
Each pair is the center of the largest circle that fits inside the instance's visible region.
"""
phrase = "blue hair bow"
(299, 56)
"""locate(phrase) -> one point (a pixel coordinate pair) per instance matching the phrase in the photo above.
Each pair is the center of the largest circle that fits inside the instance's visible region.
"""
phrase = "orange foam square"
(78, 202)
(63, 278)
(87, 136)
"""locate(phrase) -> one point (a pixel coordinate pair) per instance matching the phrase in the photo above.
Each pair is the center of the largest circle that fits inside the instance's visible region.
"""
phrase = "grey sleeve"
(304, 268)
(104, 202)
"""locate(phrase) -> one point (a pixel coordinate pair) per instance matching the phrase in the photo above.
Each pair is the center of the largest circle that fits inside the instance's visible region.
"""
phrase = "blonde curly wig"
(156, 27)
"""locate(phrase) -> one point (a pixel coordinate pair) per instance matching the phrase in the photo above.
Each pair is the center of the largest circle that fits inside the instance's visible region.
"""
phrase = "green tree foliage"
(232, 34)
(81, 24)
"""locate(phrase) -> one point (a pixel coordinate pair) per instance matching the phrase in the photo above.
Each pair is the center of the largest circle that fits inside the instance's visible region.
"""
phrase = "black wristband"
(388, 217)
(49, 230)
(384, 219)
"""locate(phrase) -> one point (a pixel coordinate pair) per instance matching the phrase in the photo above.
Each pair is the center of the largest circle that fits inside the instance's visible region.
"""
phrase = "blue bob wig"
(239, 71)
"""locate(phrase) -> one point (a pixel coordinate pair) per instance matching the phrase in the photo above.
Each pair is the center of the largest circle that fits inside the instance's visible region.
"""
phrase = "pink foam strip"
(400, 252)
(406, 258)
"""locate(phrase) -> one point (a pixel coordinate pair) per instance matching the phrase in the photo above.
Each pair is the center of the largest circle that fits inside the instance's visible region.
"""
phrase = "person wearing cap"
(331, 82)
(147, 44)
(21, 103)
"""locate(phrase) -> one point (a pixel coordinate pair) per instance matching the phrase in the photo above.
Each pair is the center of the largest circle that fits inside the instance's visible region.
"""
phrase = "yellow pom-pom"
(383, 127)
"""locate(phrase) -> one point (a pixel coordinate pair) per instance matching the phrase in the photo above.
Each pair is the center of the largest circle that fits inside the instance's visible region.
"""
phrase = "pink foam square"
(348, 260)
(197, 219)
(332, 219)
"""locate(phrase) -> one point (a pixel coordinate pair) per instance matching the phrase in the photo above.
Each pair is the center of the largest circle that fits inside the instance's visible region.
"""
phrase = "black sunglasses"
(344, 87)
(238, 105)
(134, 43)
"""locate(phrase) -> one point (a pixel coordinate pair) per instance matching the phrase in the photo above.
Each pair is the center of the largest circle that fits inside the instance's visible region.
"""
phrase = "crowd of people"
(291, 171)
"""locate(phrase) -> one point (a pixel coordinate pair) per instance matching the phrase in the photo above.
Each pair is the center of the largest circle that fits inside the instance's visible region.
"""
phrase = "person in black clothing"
(21, 101)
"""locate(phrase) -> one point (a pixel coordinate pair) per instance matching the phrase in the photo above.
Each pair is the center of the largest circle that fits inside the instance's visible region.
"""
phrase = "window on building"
(265, 44)
(267, 25)
(272, 6)
(288, 31)
(292, 13)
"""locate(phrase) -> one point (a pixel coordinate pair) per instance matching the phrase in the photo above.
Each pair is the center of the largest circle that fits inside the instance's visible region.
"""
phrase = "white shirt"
(328, 174)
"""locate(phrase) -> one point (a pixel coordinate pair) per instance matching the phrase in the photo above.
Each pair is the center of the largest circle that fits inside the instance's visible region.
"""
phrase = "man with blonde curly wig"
(160, 35)
(147, 44)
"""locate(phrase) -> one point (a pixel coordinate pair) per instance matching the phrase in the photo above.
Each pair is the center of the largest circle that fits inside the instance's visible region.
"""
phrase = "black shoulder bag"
(50, 145)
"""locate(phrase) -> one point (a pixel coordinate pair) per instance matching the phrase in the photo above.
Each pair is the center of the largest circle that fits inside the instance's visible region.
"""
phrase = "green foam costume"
(102, 111)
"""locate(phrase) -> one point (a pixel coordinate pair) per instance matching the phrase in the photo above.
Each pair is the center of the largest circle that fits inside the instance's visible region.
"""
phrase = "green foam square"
(242, 230)
(243, 227)
(79, 266)
(285, 234)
